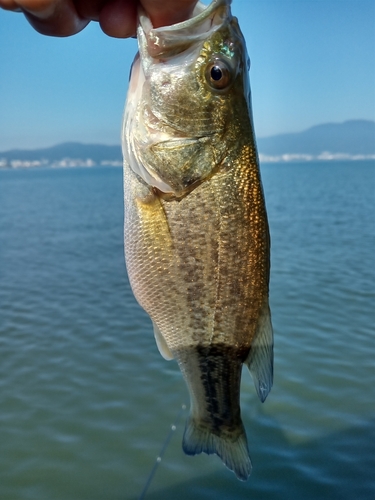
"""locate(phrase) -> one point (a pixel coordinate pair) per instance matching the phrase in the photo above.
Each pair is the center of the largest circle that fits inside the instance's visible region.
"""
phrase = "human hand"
(117, 18)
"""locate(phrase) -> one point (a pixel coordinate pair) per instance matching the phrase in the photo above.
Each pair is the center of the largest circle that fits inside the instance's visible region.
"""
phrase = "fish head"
(188, 99)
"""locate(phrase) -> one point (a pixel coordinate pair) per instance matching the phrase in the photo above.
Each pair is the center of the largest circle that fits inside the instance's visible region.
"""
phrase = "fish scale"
(197, 244)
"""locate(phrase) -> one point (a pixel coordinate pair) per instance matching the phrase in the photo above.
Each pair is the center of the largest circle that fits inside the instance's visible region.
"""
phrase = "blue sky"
(312, 61)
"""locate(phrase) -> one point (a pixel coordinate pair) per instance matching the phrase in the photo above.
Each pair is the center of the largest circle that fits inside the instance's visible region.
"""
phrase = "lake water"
(87, 402)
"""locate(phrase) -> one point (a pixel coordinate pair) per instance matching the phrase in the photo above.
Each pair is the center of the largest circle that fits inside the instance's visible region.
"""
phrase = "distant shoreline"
(68, 163)
(64, 163)
(325, 156)
(353, 140)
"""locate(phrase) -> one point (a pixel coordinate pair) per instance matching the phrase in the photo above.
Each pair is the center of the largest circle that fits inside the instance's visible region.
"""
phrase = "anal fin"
(260, 358)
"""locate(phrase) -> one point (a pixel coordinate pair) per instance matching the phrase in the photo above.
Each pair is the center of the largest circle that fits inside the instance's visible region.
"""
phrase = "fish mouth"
(160, 130)
(170, 40)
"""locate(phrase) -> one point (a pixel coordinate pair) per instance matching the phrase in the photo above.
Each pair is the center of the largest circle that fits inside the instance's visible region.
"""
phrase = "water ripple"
(86, 400)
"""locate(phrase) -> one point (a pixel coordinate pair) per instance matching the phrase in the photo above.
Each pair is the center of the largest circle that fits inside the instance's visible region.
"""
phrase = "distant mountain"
(97, 152)
(351, 138)
(354, 139)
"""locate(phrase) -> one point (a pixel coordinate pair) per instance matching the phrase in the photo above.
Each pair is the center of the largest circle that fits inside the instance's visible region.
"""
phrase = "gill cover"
(163, 151)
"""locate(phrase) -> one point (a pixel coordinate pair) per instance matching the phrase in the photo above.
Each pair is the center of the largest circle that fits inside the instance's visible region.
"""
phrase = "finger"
(89, 9)
(39, 8)
(118, 18)
(51, 17)
(166, 12)
(9, 5)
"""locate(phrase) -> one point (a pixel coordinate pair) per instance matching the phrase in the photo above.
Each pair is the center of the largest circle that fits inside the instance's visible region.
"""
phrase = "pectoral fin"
(161, 343)
(260, 358)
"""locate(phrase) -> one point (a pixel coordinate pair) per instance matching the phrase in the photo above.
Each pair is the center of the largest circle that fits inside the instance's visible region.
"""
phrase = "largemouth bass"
(196, 234)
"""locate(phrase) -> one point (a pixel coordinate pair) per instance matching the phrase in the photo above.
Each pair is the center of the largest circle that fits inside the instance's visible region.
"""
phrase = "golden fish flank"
(196, 233)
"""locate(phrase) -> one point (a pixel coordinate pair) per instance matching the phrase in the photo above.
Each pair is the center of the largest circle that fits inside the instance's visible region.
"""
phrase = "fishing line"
(162, 451)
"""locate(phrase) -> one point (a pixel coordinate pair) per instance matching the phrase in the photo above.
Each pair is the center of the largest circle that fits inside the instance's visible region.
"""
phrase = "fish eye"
(218, 74)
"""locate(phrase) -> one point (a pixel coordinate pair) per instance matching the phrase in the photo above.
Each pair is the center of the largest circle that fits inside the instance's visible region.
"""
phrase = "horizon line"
(119, 143)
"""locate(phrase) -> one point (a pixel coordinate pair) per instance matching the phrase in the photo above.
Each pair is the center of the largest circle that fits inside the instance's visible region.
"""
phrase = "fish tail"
(230, 446)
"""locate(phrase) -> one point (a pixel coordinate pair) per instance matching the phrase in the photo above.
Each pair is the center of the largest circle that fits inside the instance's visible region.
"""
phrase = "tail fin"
(231, 447)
